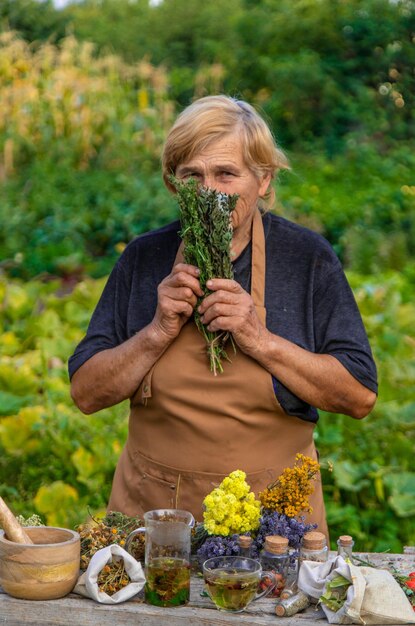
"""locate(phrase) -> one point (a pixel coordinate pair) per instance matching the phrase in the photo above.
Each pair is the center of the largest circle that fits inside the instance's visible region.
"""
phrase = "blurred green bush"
(371, 491)
(80, 143)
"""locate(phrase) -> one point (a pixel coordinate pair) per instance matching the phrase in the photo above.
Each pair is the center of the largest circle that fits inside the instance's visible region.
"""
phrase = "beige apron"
(188, 428)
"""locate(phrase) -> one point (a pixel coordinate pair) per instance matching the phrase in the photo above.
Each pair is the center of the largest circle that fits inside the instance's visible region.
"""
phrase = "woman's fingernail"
(209, 283)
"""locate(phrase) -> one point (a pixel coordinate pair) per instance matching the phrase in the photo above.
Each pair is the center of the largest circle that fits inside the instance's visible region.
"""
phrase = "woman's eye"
(189, 175)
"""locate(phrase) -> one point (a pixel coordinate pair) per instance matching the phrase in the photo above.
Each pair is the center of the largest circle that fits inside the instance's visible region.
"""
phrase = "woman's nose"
(208, 181)
(211, 181)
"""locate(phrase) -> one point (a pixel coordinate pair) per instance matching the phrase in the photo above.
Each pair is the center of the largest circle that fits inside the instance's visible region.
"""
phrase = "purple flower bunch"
(216, 545)
(273, 523)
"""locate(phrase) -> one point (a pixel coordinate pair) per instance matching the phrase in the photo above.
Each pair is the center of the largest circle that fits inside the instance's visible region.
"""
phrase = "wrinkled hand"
(177, 296)
(231, 308)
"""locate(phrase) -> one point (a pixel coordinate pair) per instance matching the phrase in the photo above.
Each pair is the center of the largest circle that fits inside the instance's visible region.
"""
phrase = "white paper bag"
(87, 583)
(374, 597)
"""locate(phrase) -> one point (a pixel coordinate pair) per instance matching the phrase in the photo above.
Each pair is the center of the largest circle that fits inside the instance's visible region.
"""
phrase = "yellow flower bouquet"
(232, 509)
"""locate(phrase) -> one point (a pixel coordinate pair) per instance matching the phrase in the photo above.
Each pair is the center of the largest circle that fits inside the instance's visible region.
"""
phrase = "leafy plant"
(370, 492)
(52, 460)
(80, 140)
(335, 592)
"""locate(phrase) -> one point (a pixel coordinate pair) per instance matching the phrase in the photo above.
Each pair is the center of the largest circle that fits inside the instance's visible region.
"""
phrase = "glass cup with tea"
(232, 582)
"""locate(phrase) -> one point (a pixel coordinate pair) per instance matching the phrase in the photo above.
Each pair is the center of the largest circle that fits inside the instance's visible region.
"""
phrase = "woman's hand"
(177, 297)
(229, 307)
(113, 375)
(319, 379)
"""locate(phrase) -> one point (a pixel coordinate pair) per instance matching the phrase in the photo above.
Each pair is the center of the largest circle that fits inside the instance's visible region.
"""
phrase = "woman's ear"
(265, 181)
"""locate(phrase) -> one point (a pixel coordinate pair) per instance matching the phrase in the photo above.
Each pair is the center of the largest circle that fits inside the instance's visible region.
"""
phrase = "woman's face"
(221, 166)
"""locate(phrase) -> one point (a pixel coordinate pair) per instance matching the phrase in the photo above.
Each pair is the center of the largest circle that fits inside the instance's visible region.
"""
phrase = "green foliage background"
(81, 130)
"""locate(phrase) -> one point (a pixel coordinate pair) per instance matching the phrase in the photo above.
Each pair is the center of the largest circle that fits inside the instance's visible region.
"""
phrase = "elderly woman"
(301, 344)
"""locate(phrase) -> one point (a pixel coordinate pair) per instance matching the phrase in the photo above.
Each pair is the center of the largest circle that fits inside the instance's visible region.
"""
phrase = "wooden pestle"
(13, 530)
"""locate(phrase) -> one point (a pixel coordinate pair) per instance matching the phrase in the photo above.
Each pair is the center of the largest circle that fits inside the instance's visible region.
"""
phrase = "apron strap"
(258, 261)
(179, 254)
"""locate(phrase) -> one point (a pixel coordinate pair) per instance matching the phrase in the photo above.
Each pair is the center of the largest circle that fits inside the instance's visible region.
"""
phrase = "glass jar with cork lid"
(345, 545)
(313, 548)
(275, 558)
(245, 545)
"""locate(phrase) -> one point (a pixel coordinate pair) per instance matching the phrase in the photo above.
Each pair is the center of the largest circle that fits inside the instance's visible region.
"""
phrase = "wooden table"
(76, 611)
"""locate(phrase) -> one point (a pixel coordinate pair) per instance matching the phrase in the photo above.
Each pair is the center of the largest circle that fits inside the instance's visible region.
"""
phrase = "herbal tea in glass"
(167, 581)
(229, 591)
(232, 582)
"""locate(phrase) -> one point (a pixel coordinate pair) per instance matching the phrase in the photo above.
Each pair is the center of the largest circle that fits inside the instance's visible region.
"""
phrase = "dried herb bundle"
(113, 577)
(113, 528)
(206, 230)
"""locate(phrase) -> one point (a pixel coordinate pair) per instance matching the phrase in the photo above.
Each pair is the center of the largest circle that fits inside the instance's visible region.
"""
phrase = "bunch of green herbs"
(335, 593)
(33, 520)
(206, 230)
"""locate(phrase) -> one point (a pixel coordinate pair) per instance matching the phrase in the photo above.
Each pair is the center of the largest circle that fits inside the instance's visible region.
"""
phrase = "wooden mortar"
(46, 569)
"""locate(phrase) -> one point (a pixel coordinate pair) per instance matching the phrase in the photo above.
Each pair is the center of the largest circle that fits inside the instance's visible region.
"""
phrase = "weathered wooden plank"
(75, 611)
(71, 611)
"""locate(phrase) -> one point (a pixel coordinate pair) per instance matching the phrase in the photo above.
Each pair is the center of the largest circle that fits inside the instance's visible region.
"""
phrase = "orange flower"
(289, 494)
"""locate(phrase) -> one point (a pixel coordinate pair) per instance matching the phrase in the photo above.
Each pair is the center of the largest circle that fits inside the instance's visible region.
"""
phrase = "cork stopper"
(280, 610)
(286, 593)
(276, 544)
(291, 606)
(345, 540)
(314, 540)
(245, 541)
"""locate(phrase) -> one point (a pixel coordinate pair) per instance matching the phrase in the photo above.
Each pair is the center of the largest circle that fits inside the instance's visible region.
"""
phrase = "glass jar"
(345, 545)
(291, 586)
(274, 557)
(313, 548)
(292, 605)
(245, 546)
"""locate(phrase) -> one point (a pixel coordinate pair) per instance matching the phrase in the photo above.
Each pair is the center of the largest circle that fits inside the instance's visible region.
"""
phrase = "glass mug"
(167, 556)
(232, 582)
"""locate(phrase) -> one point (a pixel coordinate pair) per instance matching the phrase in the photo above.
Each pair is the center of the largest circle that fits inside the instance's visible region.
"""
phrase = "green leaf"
(403, 504)
(10, 404)
(338, 581)
(335, 592)
(17, 379)
(55, 500)
(19, 433)
(402, 487)
(349, 476)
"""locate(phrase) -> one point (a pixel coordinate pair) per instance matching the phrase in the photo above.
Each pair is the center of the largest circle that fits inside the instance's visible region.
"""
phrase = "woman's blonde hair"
(208, 119)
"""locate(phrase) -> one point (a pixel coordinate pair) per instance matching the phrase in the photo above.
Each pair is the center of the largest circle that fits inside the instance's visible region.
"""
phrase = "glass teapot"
(167, 555)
